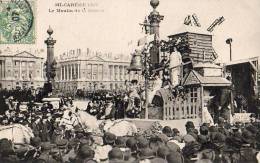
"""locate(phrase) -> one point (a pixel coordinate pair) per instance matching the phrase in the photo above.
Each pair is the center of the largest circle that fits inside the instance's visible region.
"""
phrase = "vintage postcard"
(129, 81)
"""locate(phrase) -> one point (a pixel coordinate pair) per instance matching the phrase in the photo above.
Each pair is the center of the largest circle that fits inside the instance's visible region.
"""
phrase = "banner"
(146, 39)
(242, 117)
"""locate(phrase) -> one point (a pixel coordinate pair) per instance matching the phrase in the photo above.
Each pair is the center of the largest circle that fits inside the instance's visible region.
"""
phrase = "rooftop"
(196, 78)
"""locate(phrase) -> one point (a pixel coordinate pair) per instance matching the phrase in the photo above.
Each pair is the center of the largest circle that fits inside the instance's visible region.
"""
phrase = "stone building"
(91, 70)
(21, 69)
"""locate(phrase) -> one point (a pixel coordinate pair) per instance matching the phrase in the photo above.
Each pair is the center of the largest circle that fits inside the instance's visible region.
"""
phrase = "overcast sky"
(113, 29)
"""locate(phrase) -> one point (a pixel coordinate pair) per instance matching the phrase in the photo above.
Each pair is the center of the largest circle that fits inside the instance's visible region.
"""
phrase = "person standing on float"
(175, 64)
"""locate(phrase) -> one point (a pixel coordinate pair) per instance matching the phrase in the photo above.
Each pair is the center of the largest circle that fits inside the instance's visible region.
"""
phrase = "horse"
(119, 127)
(88, 121)
(17, 133)
(79, 118)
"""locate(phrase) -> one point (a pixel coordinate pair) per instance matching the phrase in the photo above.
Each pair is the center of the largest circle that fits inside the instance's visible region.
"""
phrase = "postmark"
(17, 22)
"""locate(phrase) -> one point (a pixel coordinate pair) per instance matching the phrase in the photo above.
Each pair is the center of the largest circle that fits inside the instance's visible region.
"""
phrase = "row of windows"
(23, 63)
(117, 75)
(94, 72)
(70, 72)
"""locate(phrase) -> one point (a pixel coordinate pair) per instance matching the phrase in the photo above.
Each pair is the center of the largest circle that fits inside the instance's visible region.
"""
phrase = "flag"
(146, 39)
(142, 41)
(130, 43)
(150, 38)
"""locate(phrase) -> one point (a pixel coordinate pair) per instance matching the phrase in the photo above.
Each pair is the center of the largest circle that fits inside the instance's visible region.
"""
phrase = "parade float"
(182, 80)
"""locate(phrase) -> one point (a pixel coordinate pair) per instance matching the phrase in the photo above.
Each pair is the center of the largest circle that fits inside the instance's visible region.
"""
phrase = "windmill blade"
(187, 20)
(215, 23)
(196, 20)
(221, 19)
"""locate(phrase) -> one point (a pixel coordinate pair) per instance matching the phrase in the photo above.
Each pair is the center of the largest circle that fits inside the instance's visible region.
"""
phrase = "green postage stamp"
(17, 22)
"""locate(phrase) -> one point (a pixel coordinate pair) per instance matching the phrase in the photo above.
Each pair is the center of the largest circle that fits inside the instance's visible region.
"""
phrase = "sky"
(117, 24)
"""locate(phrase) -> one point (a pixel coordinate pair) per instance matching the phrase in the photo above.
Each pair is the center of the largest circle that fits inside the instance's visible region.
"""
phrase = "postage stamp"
(17, 22)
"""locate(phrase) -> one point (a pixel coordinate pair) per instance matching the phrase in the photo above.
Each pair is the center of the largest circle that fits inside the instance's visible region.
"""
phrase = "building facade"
(21, 69)
(244, 74)
(93, 71)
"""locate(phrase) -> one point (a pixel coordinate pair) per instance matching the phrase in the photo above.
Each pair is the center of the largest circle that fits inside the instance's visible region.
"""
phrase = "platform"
(178, 123)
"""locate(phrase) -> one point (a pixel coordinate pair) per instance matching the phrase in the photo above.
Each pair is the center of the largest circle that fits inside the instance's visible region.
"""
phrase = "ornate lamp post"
(148, 59)
(50, 63)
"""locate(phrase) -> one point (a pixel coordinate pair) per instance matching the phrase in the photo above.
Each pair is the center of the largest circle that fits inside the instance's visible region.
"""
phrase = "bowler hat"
(62, 143)
(191, 148)
(163, 152)
(86, 141)
(167, 130)
(189, 124)
(131, 143)
(142, 142)
(86, 152)
(120, 142)
(46, 146)
(175, 131)
(6, 147)
(35, 141)
(146, 153)
(204, 130)
(234, 142)
(163, 137)
(109, 138)
(188, 138)
(115, 153)
(174, 157)
(208, 154)
(252, 129)
(173, 147)
(247, 137)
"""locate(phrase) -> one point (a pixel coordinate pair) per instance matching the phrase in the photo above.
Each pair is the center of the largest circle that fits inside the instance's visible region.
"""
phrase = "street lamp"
(229, 41)
(148, 58)
(50, 63)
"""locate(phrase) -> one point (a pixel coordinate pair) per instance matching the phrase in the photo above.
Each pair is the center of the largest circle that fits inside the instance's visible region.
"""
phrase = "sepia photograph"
(129, 81)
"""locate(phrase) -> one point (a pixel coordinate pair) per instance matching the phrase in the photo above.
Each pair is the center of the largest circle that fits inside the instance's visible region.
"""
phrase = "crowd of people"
(57, 139)
(208, 144)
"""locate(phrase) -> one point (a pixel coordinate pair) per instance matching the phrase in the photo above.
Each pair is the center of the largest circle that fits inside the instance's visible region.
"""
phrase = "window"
(116, 72)
(89, 71)
(31, 74)
(16, 63)
(100, 72)
(73, 72)
(95, 72)
(121, 73)
(126, 73)
(62, 72)
(66, 76)
(76, 71)
(69, 72)
(31, 64)
(110, 72)
(16, 74)
(23, 63)
(194, 95)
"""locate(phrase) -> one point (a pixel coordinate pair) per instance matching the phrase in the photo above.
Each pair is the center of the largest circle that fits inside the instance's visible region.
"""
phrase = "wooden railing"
(182, 108)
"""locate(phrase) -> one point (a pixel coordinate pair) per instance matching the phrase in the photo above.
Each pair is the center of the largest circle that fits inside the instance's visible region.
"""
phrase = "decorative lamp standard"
(229, 41)
(50, 63)
(148, 59)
